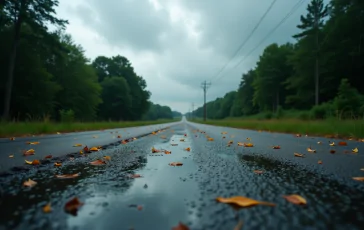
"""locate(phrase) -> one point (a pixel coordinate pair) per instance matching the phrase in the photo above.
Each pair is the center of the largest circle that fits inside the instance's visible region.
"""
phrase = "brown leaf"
(29, 183)
(188, 149)
(119, 136)
(33, 143)
(67, 176)
(72, 206)
(298, 155)
(175, 164)
(277, 147)
(98, 162)
(85, 149)
(182, 140)
(11, 156)
(135, 176)
(12, 138)
(34, 162)
(342, 143)
(242, 202)
(48, 156)
(174, 144)
(47, 208)
(358, 178)
(154, 150)
(311, 150)
(319, 162)
(258, 171)
(167, 152)
(332, 151)
(181, 226)
(295, 199)
(107, 158)
(29, 152)
(57, 164)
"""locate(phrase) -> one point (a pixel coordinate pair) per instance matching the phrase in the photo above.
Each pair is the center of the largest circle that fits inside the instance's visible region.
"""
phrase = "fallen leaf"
(298, 135)
(29, 152)
(362, 169)
(34, 162)
(123, 142)
(332, 151)
(94, 149)
(174, 144)
(119, 136)
(29, 183)
(95, 136)
(223, 137)
(85, 149)
(77, 145)
(332, 144)
(163, 137)
(167, 152)
(135, 176)
(240, 144)
(188, 149)
(155, 150)
(57, 164)
(185, 135)
(210, 139)
(11, 156)
(107, 158)
(295, 199)
(343, 143)
(248, 139)
(67, 176)
(298, 155)
(47, 208)
(258, 171)
(12, 138)
(72, 206)
(181, 226)
(140, 207)
(182, 140)
(230, 142)
(98, 162)
(175, 164)
(242, 202)
(319, 162)
(319, 142)
(48, 157)
(248, 144)
(276, 147)
(224, 133)
(356, 150)
(33, 143)
(358, 178)
(239, 226)
(58, 133)
(311, 150)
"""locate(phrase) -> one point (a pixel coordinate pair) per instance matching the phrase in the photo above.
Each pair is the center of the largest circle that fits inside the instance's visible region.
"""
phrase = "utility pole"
(193, 107)
(204, 86)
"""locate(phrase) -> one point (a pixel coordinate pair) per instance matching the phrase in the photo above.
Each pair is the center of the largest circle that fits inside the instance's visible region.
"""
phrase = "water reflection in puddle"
(161, 193)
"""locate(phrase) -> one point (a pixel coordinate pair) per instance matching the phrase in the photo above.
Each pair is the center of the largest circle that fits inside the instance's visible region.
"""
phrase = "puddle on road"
(162, 193)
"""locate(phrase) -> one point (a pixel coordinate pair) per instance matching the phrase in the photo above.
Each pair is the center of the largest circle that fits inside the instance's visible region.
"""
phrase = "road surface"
(165, 195)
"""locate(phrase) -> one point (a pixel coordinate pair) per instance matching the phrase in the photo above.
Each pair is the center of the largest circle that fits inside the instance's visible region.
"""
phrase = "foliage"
(284, 78)
(51, 75)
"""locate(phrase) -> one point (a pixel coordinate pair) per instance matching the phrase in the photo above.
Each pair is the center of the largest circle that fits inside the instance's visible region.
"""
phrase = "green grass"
(13, 129)
(329, 127)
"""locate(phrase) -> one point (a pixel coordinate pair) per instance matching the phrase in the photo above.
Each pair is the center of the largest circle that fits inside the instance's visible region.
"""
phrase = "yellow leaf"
(28, 162)
(298, 155)
(107, 158)
(29, 183)
(77, 145)
(332, 144)
(295, 199)
(311, 150)
(210, 139)
(358, 178)
(248, 144)
(356, 150)
(242, 202)
(94, 149)
(47, 208)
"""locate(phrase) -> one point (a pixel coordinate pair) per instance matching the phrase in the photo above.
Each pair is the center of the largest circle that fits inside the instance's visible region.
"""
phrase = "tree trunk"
(12, 59)
(317, 65)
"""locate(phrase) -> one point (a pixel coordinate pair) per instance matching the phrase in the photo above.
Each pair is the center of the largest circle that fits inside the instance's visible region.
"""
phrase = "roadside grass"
(14, 129)
(329, 127)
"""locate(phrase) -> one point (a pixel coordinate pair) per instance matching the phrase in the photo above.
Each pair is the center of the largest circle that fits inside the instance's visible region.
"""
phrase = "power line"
(290, 13)
(246, 40)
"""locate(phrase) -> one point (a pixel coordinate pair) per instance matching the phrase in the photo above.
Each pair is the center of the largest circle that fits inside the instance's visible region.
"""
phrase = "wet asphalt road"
(166, 195)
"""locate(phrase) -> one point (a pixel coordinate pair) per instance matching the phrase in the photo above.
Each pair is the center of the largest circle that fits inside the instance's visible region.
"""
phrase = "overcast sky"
(177, 44)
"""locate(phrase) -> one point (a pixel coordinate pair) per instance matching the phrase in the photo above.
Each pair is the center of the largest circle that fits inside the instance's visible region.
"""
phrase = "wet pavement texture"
(165, 195)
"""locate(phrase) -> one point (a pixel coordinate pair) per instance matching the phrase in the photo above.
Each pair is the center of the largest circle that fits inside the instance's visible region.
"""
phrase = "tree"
(35, 13)
(311, 25)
